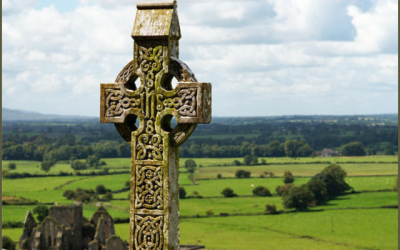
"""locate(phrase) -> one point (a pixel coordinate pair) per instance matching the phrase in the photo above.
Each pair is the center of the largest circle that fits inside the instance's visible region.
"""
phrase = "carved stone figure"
(143, 92)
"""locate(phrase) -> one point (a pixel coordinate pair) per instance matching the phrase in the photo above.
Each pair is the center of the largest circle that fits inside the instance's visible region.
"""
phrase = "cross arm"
(116, 102)
(189, 103)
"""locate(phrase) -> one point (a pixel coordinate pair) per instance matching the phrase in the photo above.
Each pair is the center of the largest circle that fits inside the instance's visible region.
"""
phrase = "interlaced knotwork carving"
(117, 102)
(149, 232)
(188, 99)
(150, 61)
(185, 103)
(148, 187)
(125, 73)
(149, 147)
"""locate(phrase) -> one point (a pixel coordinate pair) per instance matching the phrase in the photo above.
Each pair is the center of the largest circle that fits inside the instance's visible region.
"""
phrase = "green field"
(36, 184)
(352, 229)
(113, 182)
(366, 227)
(371, 164)
(192, 207)
(298, 170)
(362, 200)
(300, 160)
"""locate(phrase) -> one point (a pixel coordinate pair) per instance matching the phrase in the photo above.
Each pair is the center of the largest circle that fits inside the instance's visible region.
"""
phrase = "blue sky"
(263, 57)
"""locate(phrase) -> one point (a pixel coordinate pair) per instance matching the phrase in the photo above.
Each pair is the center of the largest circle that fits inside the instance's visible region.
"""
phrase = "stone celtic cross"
(154, 205)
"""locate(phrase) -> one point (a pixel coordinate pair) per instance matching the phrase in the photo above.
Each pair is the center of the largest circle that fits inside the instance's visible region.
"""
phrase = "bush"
(271, 209)
(16, 175)
(271, 174)
(237, 163)
(305, 151)
(5, 172)
(242, 174)
(195, 194)
(333, 177)
(82, 195)
(250, 160)
(78, 165)
(69, 194)
(228, 192)
(12, 166)
(219, 176)
(62, 173)
(108, 196)
(127, 184)
(12, 224)
(121, 220)
(318, 188)
(190, 165)
(93, 161)
(101, 189)
(41, 211)
(355, 148)
(8, 243)
(388, 151)
(209, 212)
(288, 177)
(261, 191)
(298, 198)
(280, 190)
(46, 165)
(182, 193)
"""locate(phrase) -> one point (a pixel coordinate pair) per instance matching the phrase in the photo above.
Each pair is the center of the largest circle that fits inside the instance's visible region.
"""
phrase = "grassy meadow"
(358, 220)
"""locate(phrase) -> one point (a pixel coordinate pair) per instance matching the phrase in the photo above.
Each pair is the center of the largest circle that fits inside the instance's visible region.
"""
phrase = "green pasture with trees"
(243, 200)
(283, 183)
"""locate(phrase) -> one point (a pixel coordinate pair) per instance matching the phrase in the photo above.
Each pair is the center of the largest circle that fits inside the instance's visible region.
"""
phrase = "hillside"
(22, 115)
(373, 119)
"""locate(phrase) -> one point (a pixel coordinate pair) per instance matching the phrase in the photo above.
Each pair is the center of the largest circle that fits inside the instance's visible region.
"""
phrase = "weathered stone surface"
(49, 235)
(115, 243)
(108, 221)
(63, 229)
(71, 217)
(94, 245)
(154, 170)
(26, 237)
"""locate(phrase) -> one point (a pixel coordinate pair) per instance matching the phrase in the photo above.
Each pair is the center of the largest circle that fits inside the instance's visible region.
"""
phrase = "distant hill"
(22, 115)
(372, 119)
(10, 115)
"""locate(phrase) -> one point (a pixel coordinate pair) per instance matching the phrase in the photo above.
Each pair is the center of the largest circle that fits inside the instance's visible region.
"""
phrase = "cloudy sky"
(263, 57)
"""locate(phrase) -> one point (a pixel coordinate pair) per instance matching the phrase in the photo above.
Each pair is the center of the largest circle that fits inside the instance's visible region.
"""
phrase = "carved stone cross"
(154, 205)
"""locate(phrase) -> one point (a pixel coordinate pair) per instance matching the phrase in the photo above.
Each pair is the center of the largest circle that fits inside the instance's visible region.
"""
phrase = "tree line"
(55, 142)
(64, 148)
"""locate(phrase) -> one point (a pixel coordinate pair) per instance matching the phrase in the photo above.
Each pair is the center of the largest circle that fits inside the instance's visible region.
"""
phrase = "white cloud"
(377, 28)
(12, 6)
(36, 56)
(283, 57)
(46, 84)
